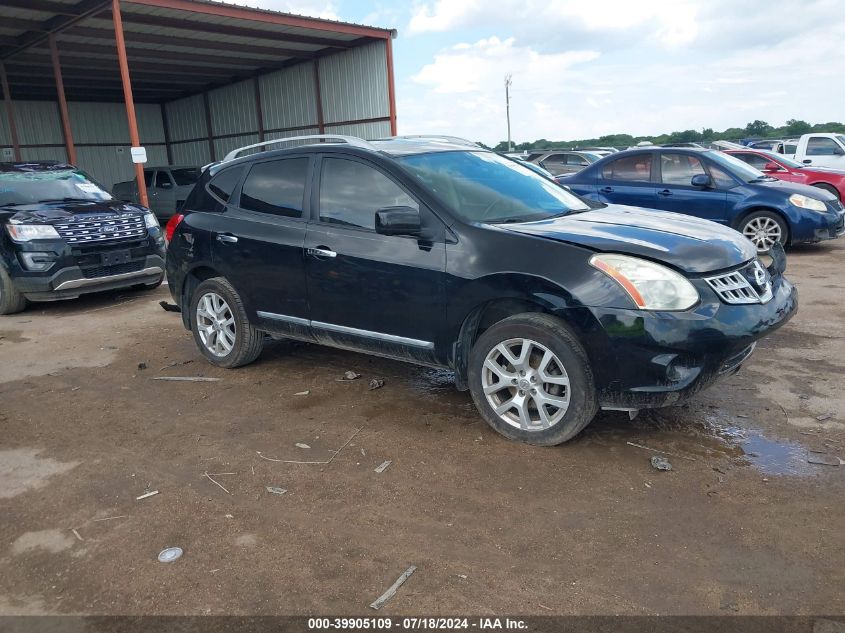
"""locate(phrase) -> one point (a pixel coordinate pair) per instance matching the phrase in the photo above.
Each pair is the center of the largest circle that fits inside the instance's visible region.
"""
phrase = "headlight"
(28, 232)
(651, 286)
(805, 202)
(150, 220)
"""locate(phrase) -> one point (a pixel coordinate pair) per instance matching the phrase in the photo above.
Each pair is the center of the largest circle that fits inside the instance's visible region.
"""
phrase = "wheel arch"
(193, 278)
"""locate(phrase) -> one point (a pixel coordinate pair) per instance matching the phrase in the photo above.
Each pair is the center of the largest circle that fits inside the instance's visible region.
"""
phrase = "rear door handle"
(226, 238)
(321, 251)
(606, 190)
(664, 192)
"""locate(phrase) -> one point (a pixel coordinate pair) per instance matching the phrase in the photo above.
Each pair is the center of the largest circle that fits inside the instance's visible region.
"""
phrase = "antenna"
(508, 84)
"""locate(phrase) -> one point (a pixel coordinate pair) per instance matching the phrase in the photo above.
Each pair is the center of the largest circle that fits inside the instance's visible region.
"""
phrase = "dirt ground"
(743, 524)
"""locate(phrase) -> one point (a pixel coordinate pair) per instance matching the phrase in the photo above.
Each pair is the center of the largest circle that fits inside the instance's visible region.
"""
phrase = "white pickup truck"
(818, 150)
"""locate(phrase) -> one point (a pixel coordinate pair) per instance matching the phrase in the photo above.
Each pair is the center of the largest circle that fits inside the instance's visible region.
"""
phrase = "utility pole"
(508, 82)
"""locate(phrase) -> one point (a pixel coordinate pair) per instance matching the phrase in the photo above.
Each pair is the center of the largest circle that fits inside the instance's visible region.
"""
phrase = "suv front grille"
(107, 228)
(750, 284)
(107, 271)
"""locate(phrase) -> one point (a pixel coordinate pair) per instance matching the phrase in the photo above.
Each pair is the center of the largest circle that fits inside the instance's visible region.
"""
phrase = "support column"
(208, 128)
(127, 97)
(321, 124)
(60, 90)
(10, 111)
(259, 110)
(391, 88)
(166, 126)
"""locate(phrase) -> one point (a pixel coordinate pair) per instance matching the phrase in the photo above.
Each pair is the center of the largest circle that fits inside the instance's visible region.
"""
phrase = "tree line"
(755, 130)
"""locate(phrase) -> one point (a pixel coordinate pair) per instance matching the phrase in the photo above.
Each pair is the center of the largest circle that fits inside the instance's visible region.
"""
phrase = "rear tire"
(829, 189)
(11, 299)
(763, 229)
(220, 325)
(532, 368)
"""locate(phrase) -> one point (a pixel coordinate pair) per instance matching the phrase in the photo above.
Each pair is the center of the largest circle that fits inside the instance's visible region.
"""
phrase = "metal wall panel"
(186, 118)
(376, 129)
(353, 84)
(289, 97)
(112, 164)
(107, 123)
(44, 153)
(223, 146)
(5, 136)
(195, 153)
(38, 123)
(233, 109)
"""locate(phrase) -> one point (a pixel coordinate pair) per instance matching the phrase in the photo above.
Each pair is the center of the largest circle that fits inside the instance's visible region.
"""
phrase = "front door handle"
(664, 192)
(321, 251)
(227, 239)
(606, 190)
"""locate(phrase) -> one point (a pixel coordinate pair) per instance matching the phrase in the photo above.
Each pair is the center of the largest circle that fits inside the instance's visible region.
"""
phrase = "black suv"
(62, 235)
(433, 251)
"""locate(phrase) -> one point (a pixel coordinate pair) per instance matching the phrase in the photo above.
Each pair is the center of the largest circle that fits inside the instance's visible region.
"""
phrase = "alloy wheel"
(526, 384)
(764, 232)
(216, 324)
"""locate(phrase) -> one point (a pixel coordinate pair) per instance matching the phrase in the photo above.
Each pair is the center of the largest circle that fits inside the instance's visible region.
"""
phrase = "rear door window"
(276, 187)
(635, 168)
(352, 192)
(821, 146)
(678, 169)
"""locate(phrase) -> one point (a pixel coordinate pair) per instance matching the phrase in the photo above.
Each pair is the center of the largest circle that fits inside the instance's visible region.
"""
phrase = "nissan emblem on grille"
(750, 284)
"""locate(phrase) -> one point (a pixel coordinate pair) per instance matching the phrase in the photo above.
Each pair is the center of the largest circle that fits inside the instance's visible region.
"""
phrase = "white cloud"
(671, 23)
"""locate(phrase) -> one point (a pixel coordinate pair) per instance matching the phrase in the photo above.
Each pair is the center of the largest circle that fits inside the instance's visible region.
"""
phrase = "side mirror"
(771, 167)
(701, 180)
(398, 221)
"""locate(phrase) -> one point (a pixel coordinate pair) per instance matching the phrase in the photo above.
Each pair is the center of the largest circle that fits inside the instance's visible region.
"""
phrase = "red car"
(783, 168)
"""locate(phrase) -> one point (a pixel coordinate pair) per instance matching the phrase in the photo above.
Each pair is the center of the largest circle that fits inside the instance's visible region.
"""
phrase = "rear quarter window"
(635, 168)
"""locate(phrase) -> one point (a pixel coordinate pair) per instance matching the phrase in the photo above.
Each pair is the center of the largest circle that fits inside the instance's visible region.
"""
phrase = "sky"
(584, 68)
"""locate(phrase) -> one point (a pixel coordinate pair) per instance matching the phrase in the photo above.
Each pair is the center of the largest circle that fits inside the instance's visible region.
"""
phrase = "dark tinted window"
(184, 177)
(223, 184)
(148, 177)
(351, 193)
(276, 187)
(678, 169)
(634, 168)
(162, 179)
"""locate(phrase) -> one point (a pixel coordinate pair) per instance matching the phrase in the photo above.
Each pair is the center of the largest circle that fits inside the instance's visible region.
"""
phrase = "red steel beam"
(321, 123)
(391, 88)
(127, 97)
(10, 111)
(253, 15)
(60, 90)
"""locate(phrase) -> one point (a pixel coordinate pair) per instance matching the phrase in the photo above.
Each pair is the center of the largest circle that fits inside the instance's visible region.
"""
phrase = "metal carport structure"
(187, 79)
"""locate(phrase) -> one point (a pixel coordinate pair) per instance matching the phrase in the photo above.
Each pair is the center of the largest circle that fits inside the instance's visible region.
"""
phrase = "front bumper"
(820, 226)
(72, 281)
(652, 359)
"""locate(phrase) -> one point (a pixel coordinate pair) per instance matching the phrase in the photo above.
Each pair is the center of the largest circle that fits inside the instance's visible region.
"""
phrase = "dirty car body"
(63, 235)
(468, 248)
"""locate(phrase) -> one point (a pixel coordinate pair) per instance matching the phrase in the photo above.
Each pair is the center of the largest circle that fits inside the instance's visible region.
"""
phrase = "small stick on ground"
(542, 606)
(655, 450)
(220, 474)
(147, 494)
(217, 483)
(188, 378)
(387, 595)
(122, 516)
(76, 534)
(328, 461)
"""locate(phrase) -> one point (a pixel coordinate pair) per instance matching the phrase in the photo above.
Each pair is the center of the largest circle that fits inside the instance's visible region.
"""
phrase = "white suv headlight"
(150, 220)
(651, 286)
(806, 202)
(29, 232)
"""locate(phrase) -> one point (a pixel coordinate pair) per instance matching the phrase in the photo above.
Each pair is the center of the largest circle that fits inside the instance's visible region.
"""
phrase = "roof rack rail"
(441, 137)
(350, 140)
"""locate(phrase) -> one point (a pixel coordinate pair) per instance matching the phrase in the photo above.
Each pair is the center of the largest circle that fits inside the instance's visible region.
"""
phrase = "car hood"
(788, 188)
(62, 211)
(684, 242)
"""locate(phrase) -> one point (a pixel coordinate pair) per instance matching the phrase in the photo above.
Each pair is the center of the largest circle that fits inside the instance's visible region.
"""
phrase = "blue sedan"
(715, 186)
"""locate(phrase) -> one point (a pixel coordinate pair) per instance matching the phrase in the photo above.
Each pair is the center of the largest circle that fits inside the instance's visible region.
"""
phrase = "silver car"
(167, 189)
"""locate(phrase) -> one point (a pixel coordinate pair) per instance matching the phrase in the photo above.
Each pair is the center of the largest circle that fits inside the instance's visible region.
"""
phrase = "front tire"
(764, 228)
(220, 325)
(11, 299)
(531, 380)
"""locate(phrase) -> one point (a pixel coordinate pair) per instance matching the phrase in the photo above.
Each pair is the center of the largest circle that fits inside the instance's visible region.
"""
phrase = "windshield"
(780, 158)
(49, 185)
(185, 176)
(738, 168)
(485, 187)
